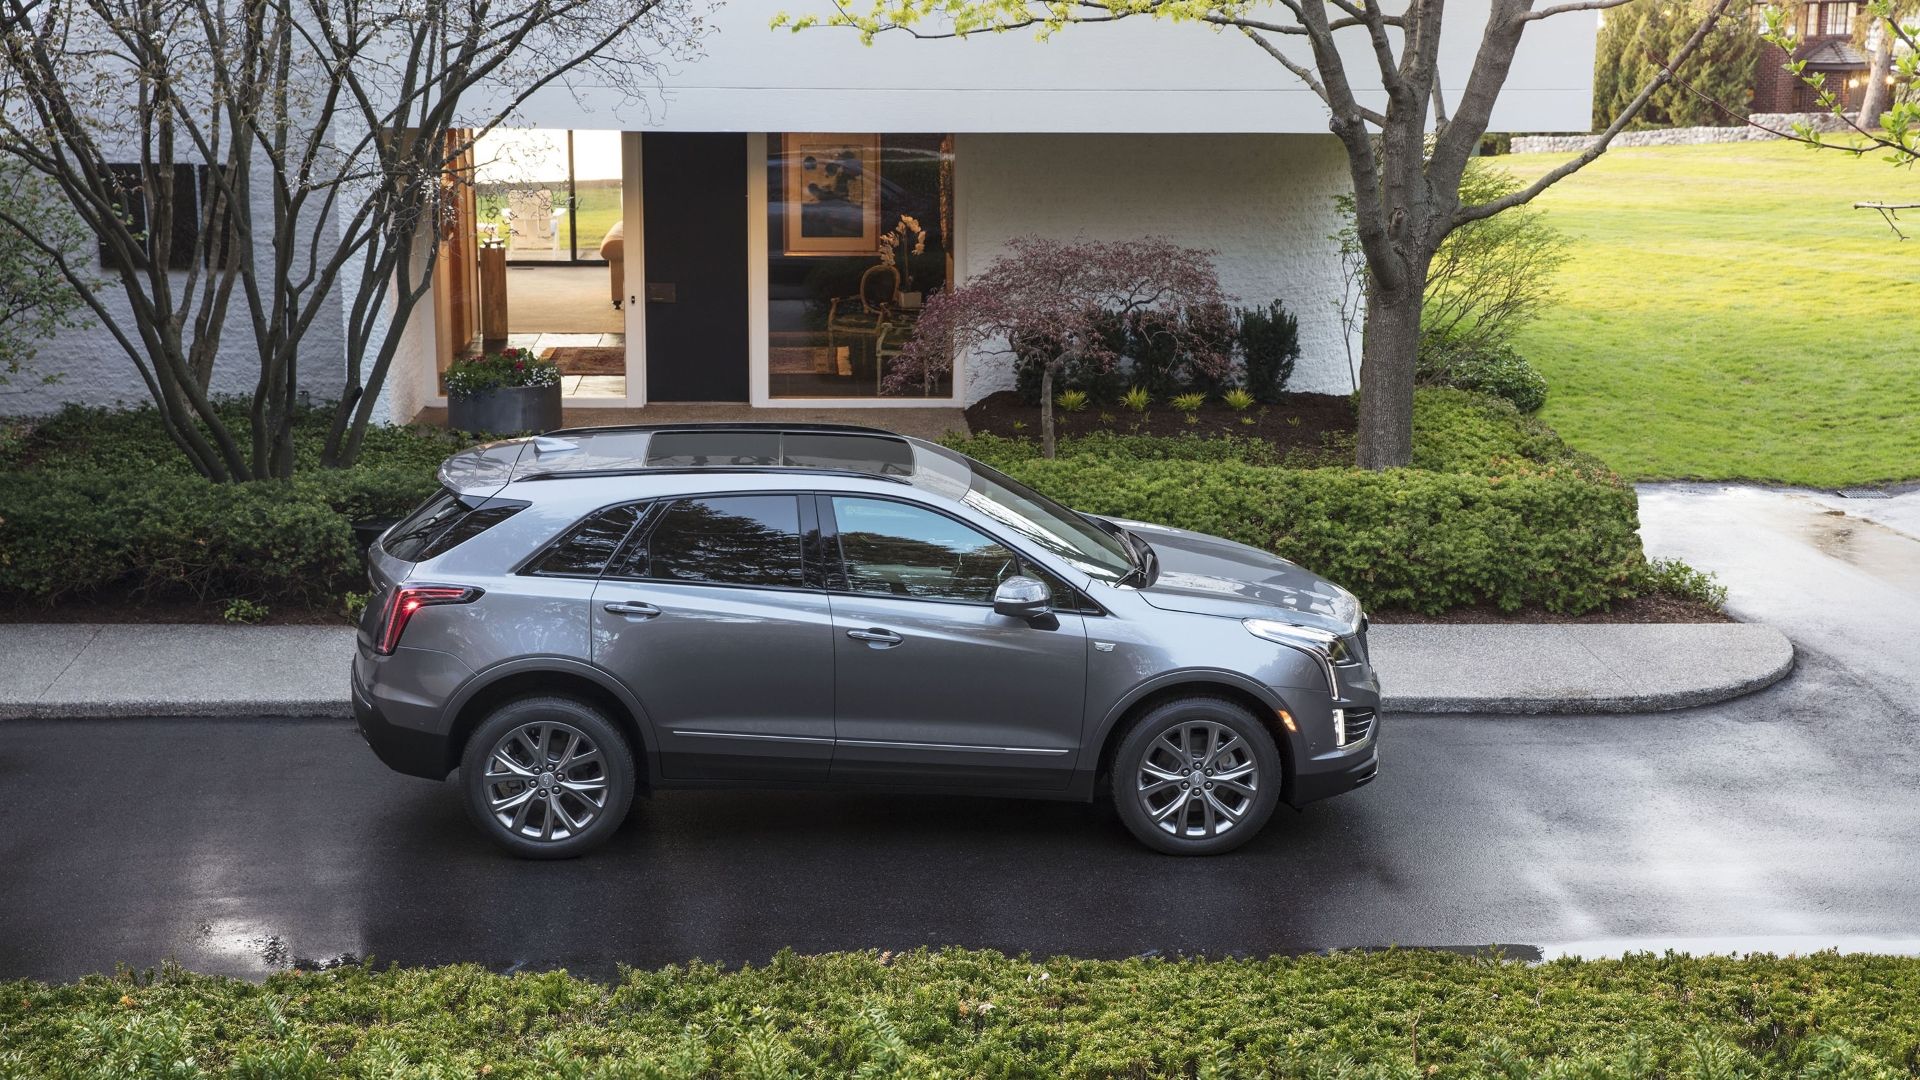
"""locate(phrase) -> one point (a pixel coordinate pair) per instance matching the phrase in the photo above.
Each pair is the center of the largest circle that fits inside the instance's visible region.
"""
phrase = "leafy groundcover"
(955, 1013)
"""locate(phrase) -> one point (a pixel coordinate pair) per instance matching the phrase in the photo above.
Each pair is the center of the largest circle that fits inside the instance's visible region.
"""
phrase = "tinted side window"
(901, 550)
(585, 549)
(728, 539)
(443, 523)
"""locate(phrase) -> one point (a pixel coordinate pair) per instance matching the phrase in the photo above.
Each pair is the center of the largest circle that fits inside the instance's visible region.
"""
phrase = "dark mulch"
(108, 610)
(1304, 422)
(1640, 609)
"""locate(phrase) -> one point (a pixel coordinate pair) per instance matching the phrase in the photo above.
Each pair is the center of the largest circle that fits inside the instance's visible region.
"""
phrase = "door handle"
(874, 635)
(633, 609)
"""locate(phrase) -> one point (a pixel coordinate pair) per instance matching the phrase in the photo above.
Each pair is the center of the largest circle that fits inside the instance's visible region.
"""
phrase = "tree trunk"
(1046, 410)
(1389, 348)
(1874, 101)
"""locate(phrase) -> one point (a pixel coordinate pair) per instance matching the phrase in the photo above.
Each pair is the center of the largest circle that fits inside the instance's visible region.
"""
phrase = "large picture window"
(859, 234)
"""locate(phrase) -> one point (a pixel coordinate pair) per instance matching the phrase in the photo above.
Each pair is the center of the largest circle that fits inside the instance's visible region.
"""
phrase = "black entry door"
(695, 289)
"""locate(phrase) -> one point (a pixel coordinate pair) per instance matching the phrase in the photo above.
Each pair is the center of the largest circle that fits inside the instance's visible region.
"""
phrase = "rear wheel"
(547, 777)
(1196, 776)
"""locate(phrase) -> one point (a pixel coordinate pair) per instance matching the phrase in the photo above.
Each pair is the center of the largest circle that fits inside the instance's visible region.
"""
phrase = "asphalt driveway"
(1783, 821)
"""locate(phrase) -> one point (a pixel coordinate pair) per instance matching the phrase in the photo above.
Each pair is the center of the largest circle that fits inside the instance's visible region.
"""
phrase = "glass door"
(549, 195)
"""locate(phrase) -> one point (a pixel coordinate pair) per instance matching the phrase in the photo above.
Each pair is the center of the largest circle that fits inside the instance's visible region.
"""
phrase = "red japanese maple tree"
(1056, 298)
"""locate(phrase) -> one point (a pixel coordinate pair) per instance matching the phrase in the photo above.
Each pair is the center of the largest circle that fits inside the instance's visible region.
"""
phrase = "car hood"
(1210, 576)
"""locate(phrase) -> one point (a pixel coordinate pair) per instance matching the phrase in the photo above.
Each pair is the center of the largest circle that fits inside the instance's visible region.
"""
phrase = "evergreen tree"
(1636, 41)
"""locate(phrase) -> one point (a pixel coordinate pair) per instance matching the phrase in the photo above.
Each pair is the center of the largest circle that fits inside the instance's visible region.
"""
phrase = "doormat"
(588, 359)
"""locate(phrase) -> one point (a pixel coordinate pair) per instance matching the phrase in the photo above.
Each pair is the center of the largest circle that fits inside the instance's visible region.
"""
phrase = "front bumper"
(1328, 778)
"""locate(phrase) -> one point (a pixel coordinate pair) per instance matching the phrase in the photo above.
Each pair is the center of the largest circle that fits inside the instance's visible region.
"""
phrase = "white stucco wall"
(94, 370)
(1262, 203)
(1134, 75)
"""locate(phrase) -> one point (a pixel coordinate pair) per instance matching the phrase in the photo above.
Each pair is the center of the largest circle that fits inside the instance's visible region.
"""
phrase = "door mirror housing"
(1023, 598)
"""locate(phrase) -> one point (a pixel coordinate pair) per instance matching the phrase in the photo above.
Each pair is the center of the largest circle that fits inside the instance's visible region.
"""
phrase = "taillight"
(407, 599)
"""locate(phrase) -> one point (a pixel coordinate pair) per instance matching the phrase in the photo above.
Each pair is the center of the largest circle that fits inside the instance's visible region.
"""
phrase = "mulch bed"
(1306, 422)
(1640, 609)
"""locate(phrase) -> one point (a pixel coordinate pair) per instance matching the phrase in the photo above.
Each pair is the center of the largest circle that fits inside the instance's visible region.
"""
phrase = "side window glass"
(585, 549)
(900, 550)
(728, 540)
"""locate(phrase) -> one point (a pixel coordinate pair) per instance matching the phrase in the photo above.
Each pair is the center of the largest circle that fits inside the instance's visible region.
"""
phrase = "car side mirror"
(1023, 598)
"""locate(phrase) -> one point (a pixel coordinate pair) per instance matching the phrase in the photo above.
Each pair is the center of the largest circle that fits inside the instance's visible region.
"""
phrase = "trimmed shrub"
(1269, 345)
(105, 501)
(1496, 369)
(1396, 1014)
(1555, 537)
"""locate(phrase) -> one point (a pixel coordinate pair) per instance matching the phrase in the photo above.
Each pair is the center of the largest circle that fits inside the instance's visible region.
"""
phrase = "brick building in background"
(1825, 30)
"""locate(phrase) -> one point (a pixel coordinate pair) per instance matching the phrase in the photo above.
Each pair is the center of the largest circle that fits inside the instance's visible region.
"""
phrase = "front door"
(694, 188)
(711, 620)
(930, 685)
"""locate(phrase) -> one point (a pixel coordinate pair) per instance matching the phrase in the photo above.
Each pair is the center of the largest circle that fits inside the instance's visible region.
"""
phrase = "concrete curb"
(103, 672)
(1565, 669)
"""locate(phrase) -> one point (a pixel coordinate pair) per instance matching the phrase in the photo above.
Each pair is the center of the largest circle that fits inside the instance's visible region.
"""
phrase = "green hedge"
(1555, 538)
(95, 498)
(1499, 510)
(1405, 1015)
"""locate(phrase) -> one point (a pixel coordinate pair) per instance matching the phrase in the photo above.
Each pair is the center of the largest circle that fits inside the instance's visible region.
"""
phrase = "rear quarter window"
(583, 550)
(443, 523)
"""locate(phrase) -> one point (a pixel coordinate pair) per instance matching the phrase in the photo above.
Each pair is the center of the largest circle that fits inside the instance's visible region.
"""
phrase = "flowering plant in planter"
(515, 367)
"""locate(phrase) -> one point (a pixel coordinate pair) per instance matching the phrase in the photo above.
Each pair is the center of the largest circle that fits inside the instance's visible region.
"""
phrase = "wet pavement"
(1786, 821)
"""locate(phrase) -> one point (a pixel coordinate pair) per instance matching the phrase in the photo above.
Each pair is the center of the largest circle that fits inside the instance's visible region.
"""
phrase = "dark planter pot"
(506, 410)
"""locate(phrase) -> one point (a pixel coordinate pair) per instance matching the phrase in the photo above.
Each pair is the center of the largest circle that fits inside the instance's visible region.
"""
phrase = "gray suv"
(582, 616)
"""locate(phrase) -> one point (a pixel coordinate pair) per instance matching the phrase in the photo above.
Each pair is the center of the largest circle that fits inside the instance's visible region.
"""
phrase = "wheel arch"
(1259, 700)
(526, 677)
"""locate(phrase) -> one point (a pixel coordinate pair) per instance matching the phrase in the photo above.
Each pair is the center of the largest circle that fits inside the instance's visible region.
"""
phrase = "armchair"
(860, 317)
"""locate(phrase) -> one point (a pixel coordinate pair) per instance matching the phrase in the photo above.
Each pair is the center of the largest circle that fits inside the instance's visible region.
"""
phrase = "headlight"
(1324, 646)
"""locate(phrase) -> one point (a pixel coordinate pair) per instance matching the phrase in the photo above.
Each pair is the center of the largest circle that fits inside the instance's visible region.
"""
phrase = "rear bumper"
(404, 750)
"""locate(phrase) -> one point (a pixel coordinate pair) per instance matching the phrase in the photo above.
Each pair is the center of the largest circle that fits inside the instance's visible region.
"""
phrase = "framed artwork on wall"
(832, 194)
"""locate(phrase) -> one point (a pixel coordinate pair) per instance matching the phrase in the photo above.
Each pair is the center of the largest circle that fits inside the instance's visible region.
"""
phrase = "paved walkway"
(156, 670)
(1840, 576)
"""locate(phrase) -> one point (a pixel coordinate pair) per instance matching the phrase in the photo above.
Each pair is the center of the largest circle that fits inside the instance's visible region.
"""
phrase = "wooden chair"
(860, 316)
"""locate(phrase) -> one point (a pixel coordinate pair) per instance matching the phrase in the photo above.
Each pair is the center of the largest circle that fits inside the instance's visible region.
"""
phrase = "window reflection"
(732, 540)
(859, 233)
(899, 550)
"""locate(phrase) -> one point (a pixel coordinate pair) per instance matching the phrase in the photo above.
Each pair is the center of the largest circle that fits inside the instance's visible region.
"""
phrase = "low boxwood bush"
(1553, 537)
(1392, 1015)
(101, 500)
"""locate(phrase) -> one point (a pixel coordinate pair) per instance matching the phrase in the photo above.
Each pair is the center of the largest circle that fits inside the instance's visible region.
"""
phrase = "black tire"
(552, 804)
(1208, 820)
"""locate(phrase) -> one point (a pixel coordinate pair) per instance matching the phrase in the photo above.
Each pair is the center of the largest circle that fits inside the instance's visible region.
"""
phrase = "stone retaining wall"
(1689, 136)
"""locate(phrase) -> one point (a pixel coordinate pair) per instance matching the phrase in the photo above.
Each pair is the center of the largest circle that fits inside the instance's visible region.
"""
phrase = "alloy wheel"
(1197, 780)
(546, 781)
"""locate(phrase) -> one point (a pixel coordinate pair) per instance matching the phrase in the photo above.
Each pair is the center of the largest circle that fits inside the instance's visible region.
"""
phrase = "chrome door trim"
(892, 745)
(747, 735)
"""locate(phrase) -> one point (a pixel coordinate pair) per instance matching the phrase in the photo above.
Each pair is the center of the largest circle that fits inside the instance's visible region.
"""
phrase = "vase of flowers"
(897, 249)
(503, 393)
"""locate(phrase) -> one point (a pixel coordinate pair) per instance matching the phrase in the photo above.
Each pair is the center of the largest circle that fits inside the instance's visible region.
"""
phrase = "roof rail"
(717, 425)
(709, 470)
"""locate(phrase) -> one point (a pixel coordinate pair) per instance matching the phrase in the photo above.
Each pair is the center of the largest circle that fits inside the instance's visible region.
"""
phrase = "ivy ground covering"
(1395, 1014)
(1727, 314)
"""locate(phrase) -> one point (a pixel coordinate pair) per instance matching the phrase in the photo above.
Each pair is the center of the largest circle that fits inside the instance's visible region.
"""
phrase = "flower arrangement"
(906, 238)
(472, 375)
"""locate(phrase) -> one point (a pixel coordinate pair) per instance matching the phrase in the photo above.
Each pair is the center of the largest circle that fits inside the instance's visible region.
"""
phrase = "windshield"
(1089, 548)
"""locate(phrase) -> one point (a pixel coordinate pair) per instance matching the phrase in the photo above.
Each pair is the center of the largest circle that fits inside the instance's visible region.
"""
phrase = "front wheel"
(547, 777)
(1196, 776)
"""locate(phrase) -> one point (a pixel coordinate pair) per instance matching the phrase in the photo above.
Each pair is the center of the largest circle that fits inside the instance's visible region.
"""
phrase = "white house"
(748, 202)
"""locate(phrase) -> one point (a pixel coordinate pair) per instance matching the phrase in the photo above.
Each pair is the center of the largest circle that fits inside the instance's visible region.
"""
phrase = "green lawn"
(1728, 314)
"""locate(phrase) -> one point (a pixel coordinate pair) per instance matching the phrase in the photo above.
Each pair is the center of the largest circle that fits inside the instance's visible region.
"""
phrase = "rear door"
(931, 686)
(714, 617)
